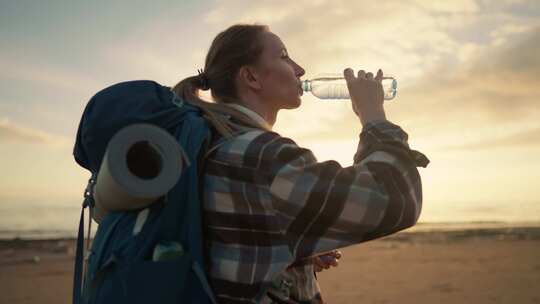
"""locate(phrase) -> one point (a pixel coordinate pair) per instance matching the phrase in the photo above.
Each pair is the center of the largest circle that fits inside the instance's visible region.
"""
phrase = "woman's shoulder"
(249, 147)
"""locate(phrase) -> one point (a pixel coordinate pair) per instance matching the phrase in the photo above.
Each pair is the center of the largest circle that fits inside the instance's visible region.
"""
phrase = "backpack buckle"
(177, 101)
(89, 193)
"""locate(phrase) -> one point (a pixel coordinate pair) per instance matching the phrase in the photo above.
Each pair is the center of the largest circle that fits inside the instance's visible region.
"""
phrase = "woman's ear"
(248, 77)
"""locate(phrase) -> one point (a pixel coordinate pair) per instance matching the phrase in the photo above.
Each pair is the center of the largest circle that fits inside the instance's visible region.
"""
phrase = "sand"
(466, 266)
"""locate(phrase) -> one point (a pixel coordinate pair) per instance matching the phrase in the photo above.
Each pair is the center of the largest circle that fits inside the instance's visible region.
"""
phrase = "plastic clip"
(89, 193)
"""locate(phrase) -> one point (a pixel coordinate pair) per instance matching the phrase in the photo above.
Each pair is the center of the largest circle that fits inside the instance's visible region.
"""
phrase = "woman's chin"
(290, 103)
(294, 104)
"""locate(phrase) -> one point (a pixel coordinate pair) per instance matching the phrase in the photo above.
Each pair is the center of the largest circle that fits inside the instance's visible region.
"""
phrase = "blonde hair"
(231, 49)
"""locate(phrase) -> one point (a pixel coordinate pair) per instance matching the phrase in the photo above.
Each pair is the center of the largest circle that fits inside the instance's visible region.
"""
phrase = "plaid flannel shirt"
(269, 203)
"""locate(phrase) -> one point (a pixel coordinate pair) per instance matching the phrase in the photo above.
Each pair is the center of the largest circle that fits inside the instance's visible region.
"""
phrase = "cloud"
(410, 37)
(48, 76)
(525, 138)
(465, 6)
(497, 86)
(482, 100)
(456, 66)
(13, 133)
(406, 37)
(463, 75)
(432, 48)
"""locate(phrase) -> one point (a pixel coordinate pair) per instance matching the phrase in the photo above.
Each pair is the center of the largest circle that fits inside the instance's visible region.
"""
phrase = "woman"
(268, 203)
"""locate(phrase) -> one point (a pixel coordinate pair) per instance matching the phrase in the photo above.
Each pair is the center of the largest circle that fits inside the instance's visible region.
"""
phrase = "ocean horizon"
(419, 227)
(32, 220)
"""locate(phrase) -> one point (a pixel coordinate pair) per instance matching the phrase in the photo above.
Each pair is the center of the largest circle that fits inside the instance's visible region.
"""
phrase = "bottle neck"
(306, 85)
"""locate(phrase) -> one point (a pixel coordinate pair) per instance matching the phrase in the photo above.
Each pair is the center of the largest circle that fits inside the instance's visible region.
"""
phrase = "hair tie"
(203, 80)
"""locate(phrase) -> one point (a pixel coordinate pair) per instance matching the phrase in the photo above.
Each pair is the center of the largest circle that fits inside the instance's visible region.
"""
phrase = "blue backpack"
(120, 268)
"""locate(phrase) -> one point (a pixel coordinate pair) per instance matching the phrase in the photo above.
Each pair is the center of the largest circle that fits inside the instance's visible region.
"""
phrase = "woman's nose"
(298, 70)
(301, 72)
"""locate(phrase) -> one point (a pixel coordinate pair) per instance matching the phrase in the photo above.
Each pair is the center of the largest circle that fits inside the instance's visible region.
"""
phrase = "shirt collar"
(251, 114)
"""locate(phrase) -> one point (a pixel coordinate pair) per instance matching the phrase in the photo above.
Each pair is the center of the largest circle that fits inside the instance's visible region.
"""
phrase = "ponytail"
(214, 112)
(237, 46)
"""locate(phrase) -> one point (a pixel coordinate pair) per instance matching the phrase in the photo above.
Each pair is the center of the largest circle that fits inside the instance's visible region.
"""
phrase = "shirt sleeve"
(324, 206)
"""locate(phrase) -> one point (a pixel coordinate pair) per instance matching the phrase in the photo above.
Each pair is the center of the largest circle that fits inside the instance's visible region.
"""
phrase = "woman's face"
(279, 74)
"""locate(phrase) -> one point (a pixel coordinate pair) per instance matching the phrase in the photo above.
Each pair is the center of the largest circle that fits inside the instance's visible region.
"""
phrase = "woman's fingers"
(328, 260)
(379, 75)
(361, 74)
(367, 96)
(318, 264)
(348, 73)
(336, 254)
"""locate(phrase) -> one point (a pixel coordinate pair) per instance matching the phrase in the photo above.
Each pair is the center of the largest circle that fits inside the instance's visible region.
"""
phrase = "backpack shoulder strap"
(78, 272)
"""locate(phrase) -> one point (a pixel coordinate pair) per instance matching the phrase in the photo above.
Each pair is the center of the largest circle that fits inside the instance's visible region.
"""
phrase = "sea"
(53, 220)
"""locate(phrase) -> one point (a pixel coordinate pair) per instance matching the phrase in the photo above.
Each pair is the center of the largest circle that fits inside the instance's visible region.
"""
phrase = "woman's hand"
(324, 261)
(367, 95)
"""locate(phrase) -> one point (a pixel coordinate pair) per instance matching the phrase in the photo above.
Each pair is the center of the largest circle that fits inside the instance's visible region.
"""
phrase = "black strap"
(77, 277)
(78, 273)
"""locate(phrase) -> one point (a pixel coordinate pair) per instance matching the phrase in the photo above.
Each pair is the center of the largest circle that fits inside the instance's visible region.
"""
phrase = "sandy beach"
(499, 265)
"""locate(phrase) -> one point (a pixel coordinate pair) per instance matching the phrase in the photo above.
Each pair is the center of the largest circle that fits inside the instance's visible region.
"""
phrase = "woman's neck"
(258, 106)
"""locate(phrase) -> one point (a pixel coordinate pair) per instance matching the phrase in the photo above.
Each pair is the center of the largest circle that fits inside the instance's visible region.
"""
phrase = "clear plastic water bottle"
(334, 87)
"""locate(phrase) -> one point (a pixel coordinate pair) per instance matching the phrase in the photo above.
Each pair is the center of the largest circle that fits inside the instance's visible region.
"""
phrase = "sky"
(467, 70)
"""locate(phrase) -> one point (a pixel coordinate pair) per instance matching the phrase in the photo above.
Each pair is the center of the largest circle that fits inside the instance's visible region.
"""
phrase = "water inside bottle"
(334, 87)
